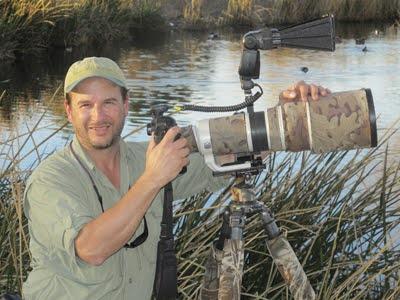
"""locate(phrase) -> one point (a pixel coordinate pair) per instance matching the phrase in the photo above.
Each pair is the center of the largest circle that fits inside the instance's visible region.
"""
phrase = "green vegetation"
(238, 12)
(29, 26)
(192, 14)
(14, 241)
(293, 11)
(339, 211)
(25, 26)
(251, 13)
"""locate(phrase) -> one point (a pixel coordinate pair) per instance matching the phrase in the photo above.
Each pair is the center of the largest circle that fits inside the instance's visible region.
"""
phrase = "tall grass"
(29, 26)
(192, 14)
(15, 150)
(294, 11)
(340, 211)
(238, 12)
(92, 22)
(25, 26)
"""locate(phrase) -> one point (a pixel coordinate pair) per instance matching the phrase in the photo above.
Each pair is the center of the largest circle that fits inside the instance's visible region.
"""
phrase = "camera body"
(160, 124)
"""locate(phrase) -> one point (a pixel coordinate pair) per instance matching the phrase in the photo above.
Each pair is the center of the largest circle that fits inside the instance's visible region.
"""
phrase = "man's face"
(97, 112)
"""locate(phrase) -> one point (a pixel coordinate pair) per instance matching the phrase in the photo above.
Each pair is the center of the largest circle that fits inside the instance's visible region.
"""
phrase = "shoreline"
(51, 25)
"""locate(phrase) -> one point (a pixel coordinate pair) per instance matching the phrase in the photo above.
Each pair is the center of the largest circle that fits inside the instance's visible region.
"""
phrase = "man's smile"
(100, 129)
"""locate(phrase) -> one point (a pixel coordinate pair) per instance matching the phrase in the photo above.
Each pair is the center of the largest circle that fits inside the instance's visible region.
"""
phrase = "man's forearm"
(105, 235)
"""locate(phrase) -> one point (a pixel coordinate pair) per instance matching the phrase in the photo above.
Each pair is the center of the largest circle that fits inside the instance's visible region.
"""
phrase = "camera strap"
(137, 241)
(165, 282)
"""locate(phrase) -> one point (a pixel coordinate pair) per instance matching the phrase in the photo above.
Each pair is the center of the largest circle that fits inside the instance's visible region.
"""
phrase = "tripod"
(224, 266)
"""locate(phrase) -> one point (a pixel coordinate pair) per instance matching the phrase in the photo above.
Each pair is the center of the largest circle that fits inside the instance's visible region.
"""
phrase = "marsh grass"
(192, 14)
(238, 13)
(340, 212)
(145, 13)
(29, 26)
(25, 26)
(92, 22)
(294, 11)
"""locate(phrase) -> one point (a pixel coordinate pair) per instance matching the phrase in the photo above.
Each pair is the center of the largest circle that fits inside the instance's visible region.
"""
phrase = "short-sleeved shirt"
(60, 199)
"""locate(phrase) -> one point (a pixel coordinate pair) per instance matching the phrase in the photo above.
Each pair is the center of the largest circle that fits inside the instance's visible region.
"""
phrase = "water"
(189, 68)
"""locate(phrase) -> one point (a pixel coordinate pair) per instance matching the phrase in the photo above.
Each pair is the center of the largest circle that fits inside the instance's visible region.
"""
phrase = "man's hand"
(165, 160)
(303, 91)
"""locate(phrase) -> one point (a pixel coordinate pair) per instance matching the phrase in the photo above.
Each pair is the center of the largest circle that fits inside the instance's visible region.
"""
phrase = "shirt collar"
(81, 153)
(85, 158)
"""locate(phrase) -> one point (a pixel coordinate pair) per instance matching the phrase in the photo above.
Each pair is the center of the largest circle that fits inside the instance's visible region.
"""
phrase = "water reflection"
(179, 67)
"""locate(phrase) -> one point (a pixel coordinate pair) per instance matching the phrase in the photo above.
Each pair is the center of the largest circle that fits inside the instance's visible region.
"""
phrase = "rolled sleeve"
(57, 211)
(73, 224)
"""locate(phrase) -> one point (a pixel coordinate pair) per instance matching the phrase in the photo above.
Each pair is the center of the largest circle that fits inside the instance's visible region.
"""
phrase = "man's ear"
(67, 108)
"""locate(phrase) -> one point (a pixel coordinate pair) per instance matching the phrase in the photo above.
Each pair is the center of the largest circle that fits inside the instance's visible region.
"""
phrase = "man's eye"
(84, 105)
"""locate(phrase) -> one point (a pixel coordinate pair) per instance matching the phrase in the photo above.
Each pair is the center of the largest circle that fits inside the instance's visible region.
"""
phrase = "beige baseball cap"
(93, 67)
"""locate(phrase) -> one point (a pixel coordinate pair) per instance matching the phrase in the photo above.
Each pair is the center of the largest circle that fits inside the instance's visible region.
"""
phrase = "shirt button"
(130, 280)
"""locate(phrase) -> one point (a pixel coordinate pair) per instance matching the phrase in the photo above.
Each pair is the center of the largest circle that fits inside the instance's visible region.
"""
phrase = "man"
(90, 205)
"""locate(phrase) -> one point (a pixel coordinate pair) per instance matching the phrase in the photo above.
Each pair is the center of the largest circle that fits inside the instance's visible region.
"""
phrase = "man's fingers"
(186, 162)
(323, 92)
(299, 83)
(184, 152)
(181, 143)
(304, 90)
(151, 145)
(287, 95)
(171, 134)
(314, 92)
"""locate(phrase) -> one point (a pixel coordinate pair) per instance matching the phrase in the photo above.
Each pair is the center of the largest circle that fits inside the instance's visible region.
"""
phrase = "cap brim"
(75, 83)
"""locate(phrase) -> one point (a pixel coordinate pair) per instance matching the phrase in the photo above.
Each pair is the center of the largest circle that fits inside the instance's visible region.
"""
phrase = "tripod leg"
(230, 280)
(223, 276)
(231, 270)
(290, 268)
(210, 286)
(286, 260)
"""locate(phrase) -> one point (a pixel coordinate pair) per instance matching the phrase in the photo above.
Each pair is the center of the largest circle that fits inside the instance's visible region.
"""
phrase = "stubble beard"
(106, 144)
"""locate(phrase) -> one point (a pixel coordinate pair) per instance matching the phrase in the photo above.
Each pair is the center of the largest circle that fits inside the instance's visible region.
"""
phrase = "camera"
(338, 121)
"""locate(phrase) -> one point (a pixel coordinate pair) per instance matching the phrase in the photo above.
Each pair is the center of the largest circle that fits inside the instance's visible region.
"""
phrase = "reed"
(192, 14)
(288, 11)
(91, 22)
(30, 26)
(339, 211)
(238, 13)
(25, 26)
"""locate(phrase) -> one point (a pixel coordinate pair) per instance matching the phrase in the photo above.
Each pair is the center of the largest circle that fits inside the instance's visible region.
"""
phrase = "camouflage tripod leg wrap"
(210, 286)
(224, 270)
(230, 280)
(290, 268)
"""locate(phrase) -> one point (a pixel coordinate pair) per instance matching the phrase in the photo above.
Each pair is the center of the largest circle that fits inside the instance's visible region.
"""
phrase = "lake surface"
(181, 67)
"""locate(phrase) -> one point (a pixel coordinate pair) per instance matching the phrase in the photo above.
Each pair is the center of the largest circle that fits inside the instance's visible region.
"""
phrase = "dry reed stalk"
(192, 12)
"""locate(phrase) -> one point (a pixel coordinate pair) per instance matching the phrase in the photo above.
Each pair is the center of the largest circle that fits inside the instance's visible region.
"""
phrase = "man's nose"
(98, 112)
